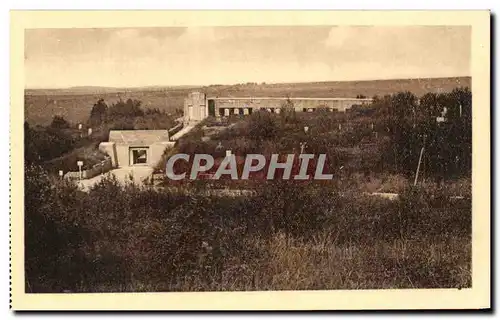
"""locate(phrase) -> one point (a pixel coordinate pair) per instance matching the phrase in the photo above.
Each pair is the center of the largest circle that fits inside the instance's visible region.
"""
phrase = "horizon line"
(233, 84)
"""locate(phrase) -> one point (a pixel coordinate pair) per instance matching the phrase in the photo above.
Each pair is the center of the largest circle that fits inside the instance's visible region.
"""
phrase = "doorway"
(138, 156)
(211, 108)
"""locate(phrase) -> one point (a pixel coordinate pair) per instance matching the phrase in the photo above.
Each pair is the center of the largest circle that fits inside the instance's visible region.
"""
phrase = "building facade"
(136, 147)
(197, 106)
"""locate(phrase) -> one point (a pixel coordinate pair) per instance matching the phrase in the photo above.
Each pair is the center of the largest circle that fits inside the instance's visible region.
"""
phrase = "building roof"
(290, 98)
(138, 137)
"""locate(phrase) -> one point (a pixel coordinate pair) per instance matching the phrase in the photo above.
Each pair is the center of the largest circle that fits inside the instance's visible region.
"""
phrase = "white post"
(80, 165)
(89, 132)
(61, 174)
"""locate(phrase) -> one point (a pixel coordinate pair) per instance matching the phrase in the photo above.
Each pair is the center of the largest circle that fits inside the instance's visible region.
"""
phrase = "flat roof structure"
(138, 137)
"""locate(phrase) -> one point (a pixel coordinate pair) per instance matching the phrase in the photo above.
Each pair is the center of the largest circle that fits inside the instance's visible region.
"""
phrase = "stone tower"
(195, 107)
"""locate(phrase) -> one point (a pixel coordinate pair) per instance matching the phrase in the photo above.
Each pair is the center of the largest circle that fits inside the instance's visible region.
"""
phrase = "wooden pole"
(419, 161)
(418, 167)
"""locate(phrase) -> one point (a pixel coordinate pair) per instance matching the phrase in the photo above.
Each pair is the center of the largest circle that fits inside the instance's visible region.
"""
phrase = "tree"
(58, 122)
(382, 105)
(404, 107)
(429, 107)
(262, 125)
(98, 114)
(448, 144)
(129, 108)
(462, 104)
(30, 148)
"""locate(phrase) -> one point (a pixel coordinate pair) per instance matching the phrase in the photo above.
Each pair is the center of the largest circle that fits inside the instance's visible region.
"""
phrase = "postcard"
(250, 160)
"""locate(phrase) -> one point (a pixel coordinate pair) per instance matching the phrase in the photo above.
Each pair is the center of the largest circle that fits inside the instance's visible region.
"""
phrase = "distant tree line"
(128, 115)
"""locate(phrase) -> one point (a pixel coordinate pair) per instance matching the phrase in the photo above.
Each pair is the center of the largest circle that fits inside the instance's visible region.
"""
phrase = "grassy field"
(75, 103)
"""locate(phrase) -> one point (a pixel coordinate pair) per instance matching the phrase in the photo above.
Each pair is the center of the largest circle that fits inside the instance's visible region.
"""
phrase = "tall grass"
(128, 238)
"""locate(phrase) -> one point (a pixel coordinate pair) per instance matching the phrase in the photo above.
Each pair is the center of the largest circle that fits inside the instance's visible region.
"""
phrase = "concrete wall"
(99, 168)
(156, 150)
(195, 107)
(123, 155)
(298, 104)
(110, 149)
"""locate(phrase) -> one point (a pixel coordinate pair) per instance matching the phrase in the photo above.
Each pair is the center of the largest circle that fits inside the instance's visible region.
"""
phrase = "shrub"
(58, 122)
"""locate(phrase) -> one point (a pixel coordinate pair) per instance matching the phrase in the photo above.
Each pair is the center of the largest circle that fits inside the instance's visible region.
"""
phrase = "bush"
(43, 144)
(262, 125)
(130, 238)
(58, 122)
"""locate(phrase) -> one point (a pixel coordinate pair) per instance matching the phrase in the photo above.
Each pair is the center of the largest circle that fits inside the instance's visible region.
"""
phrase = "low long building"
(197, 106)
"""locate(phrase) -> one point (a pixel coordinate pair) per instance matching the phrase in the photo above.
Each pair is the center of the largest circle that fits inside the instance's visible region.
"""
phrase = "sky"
(137, 57)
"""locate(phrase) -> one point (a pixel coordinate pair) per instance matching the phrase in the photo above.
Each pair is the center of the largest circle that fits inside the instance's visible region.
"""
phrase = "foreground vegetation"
(127, 238)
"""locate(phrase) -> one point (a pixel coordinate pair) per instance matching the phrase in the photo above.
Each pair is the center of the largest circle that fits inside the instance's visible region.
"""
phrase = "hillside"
(75, 103)
(342, 89)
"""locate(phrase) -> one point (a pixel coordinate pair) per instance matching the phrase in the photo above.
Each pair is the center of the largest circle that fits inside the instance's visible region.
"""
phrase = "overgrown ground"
(308, 235)
(286, 237)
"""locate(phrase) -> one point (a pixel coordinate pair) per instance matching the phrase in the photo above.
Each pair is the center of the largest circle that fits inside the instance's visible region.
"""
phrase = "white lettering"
(273, 165)
(227, 166)
(318, 175)
(197, 167)
(304, 163)
(170, 166)
(261, 162)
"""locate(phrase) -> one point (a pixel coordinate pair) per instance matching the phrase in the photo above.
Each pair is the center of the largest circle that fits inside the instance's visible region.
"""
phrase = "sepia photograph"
(202, 158)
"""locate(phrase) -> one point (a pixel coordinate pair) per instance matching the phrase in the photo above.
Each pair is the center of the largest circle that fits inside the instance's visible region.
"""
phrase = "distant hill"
(75, 103)
(92, 90)
(342, 89)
